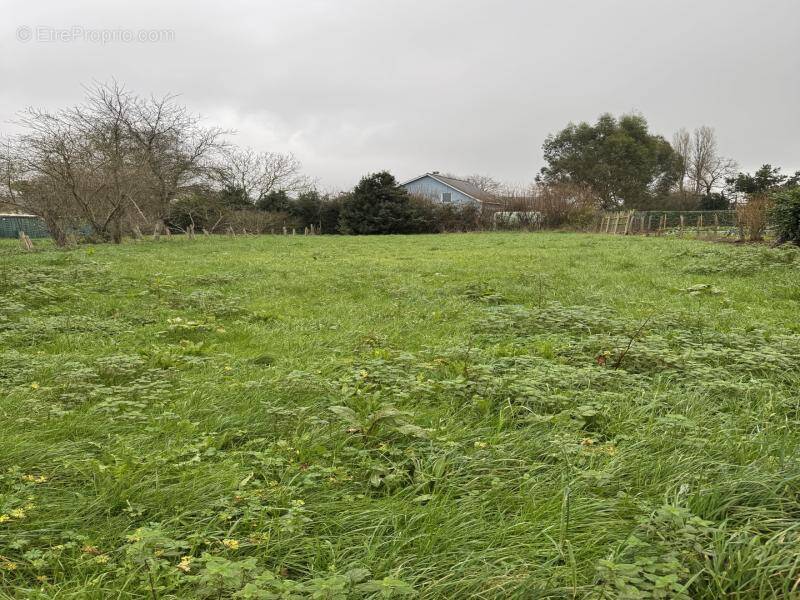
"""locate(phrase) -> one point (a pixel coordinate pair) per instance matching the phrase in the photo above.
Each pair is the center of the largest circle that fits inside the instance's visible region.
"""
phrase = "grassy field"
(455, 416)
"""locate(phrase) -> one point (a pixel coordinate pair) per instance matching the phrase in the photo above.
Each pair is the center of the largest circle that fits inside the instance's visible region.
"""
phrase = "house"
(448, 190)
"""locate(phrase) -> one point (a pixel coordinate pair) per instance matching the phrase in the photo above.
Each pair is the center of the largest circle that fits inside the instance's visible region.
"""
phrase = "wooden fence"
(709, 224)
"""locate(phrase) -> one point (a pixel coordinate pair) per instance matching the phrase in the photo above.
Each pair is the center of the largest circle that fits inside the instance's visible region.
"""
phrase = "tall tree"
(619, 159)
(765, 179)
(260, 173)
(707, 170)
(682, 144)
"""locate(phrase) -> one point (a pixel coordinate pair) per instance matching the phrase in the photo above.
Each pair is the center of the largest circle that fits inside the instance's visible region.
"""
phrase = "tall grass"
(168, 404)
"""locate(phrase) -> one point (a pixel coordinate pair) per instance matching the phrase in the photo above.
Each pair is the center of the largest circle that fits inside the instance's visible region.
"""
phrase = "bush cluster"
(378, 205)
(785, 214)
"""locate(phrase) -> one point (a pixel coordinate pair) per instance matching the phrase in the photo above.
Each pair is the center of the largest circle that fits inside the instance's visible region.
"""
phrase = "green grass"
(172, 399)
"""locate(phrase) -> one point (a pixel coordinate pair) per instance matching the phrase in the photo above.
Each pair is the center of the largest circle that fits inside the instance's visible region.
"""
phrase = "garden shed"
(11, 224)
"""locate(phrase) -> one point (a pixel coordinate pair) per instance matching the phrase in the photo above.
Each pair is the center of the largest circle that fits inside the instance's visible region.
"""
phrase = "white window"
(446, 197)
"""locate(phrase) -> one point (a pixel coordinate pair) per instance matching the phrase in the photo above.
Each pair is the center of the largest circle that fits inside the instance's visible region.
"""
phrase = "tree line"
(629, 167)
(117, 163)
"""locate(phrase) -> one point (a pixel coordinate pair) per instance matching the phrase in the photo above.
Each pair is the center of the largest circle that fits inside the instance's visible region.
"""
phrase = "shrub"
(274, 201)
(785, 213)
(257, 221)
(306, 208)
(714, 201)
(430, 216)
(752, 216)
(376, 205)
(553, 206)
(204, 211)
(329, 214)
(215, 213)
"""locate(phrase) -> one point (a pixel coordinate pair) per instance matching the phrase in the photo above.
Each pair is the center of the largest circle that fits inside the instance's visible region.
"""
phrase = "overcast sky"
(463, 86)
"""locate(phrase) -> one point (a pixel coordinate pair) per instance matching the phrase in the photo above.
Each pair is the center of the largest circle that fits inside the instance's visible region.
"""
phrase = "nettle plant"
(150, 553)
(224, 578)
(658, 559)
(385, 419)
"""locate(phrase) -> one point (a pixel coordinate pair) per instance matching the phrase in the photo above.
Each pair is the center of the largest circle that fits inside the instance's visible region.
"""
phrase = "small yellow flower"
(298, 502)
(87, 549)
(17, 513)
(34, 386)
(231, 544)
(364, 374)
(587, 442)
(101, 559)
(481, 444)
(42, 578)
(4, 518)
(185, 564)
(35, 478)
(8, 565)
(227, 368)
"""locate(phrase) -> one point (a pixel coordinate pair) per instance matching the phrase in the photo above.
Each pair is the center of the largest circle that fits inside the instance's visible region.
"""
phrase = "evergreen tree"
(376, 205)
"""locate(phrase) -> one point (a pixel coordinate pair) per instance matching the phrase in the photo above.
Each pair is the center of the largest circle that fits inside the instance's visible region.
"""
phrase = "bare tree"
(118, 160)
(174, 148)
(485, 183)
(682, 144)
(707, 170)
(256, 174)
(107, 161)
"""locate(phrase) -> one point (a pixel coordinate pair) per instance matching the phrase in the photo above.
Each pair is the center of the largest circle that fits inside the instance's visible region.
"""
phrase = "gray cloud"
(465, 86)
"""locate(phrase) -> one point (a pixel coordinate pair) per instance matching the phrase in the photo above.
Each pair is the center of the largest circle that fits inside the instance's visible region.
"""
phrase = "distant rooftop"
(462, 185)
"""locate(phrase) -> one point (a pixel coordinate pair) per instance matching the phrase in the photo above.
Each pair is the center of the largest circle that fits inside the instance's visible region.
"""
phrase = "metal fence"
(11, 225)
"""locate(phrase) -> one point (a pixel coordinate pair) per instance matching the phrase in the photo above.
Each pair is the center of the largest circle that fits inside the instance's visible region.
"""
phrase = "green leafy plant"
(386, 418)
(785, 214)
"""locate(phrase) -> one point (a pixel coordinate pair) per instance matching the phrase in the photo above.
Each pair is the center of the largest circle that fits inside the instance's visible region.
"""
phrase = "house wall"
(431, 188)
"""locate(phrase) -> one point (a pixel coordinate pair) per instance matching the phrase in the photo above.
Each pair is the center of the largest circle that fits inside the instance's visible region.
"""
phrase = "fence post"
(699, 225)
(616, 222)
(683, 221)
(608, 222)
(25, 242)
(649, 223)
(716, 225)
(628, 218)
